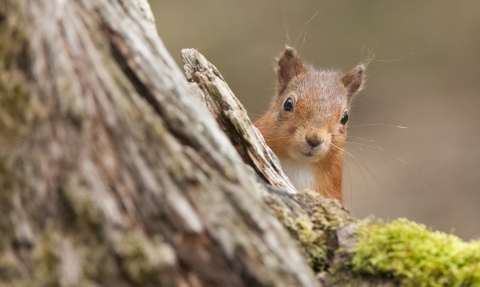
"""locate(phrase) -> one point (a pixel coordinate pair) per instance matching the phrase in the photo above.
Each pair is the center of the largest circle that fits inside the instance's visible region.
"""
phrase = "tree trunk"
(323, 229)
(111, 174)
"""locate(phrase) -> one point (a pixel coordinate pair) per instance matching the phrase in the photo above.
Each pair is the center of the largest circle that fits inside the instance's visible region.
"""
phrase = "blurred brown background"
(426, 77)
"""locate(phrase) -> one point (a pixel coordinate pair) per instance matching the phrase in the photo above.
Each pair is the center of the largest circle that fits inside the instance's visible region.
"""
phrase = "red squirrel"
(306, 124)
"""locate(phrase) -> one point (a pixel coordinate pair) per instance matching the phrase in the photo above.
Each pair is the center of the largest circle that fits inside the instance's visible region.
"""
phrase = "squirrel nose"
(313, 141)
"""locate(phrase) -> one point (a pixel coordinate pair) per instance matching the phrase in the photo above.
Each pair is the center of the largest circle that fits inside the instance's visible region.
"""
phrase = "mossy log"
(208, 85)
(113, 174)
(398, 253)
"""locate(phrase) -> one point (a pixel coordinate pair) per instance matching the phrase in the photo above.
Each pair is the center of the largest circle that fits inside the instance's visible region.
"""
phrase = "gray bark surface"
(111, 174)
(323, 228)
(207, 84)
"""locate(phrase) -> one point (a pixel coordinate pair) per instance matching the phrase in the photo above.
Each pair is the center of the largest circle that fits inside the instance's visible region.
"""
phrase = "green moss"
(6, 178)
(313, 243)
(311, 231)
(310, 241)
(87, 213)
(99, 264)
(17, 111)
(8, 266)
(143, 259)
(416, 256)
(45, 259)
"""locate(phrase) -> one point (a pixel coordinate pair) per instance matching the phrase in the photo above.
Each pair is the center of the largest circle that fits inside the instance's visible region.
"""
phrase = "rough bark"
(111, 174)
(400, 253)
(323, 229)
(208, 85)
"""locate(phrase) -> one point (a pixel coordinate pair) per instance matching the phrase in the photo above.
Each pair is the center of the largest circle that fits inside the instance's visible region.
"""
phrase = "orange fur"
(309, 139)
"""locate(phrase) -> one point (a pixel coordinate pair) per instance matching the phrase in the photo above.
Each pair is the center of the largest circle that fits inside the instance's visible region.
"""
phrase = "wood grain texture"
(111, 174)
(323, 228)
(208, 85)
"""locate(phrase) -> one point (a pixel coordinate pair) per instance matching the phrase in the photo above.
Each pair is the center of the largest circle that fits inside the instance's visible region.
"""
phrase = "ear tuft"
(289, 66)
(353, 80)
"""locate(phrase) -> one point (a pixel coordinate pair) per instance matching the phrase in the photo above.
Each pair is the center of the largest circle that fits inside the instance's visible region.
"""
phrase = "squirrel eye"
(344, 119)
(288, 105)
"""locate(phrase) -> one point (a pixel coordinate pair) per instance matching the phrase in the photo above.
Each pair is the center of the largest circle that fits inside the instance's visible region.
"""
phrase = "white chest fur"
(301, 174)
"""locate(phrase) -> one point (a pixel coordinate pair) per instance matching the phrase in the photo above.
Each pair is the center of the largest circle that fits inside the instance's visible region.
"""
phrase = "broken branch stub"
(208, 85)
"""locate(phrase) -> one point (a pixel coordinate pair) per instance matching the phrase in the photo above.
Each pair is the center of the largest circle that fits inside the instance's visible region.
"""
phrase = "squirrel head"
(307, 119)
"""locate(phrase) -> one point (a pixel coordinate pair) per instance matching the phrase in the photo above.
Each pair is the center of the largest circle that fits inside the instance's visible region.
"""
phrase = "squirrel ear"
(353, 80)
(289, 66)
